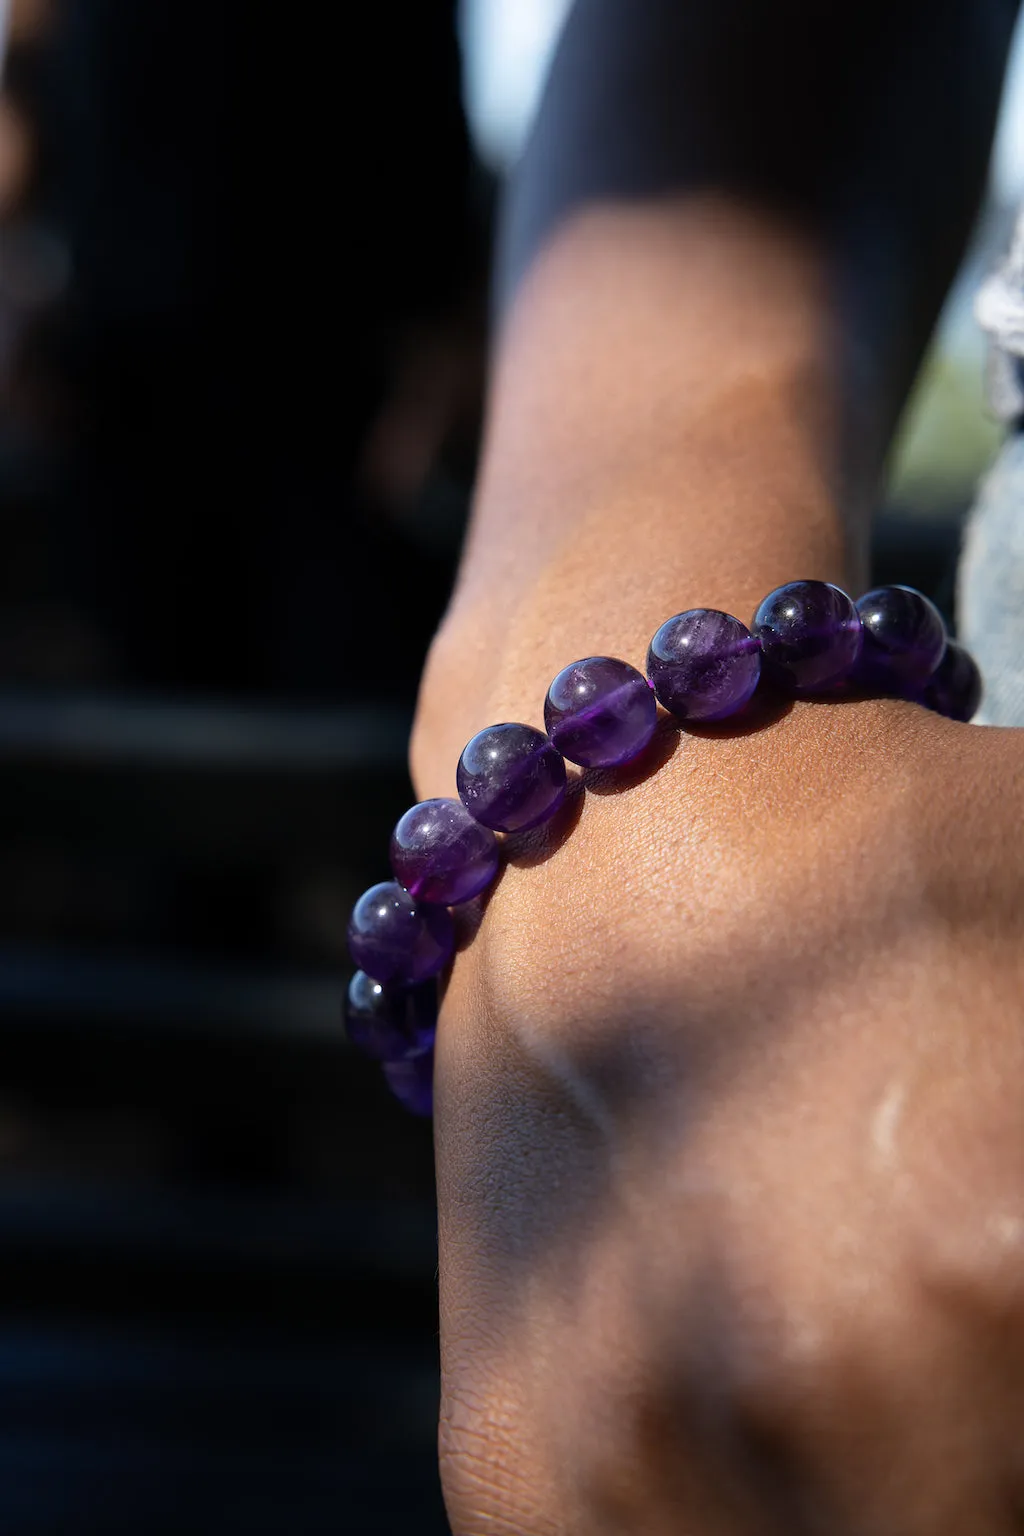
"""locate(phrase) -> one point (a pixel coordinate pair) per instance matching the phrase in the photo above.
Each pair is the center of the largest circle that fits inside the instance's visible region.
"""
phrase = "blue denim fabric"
(990, 579)
(990, 586)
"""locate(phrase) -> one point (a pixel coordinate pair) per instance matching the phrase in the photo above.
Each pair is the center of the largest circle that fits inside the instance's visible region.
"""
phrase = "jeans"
(990, 586)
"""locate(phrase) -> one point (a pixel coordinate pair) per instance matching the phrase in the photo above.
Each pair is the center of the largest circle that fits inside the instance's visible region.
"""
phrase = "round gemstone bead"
(904, 638)
(393, 938)
(390, 1023)
(955, 687)
(412, 1082)
(810, 636)
(441, 854)
(600, 712)
(703, 664)
(510, 777)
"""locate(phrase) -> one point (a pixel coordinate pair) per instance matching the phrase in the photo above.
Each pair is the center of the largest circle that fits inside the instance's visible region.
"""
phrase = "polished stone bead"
(904, 639)
(703, 664)
(390, 1023)
(955, 687)
(600, 712)
(441, 854)
(810, 636)
(510, 777)
(394, 938)
(412, 1082)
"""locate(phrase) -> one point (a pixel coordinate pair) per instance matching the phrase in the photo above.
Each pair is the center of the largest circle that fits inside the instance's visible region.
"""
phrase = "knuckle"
(778, 1381)
(975, 1270)
(795, 1354)
(964, 1220)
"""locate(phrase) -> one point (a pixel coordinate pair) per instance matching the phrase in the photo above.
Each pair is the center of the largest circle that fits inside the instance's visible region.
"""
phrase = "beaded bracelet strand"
(807, 639)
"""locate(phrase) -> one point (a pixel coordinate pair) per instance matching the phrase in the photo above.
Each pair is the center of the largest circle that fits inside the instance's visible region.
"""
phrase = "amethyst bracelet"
(807, 639)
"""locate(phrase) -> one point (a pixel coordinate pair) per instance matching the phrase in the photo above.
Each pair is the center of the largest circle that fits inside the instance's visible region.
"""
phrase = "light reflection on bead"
(510, 777)
(393, 938)
(390, 1023)
(600, 712)
(704, 664)
(441, 854)
(810, 636)
(904, 639)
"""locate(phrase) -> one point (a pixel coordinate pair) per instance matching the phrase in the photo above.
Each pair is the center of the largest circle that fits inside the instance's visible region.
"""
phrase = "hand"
(730, 1142)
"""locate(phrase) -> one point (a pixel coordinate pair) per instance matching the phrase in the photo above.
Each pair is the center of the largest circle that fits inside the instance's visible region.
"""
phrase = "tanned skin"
(729, 1089)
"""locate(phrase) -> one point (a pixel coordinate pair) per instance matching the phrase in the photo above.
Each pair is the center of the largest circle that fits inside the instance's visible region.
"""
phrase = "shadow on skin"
(544, 1101)
(535, 845)
(543, 1119)
(764, 709)
(663, 746)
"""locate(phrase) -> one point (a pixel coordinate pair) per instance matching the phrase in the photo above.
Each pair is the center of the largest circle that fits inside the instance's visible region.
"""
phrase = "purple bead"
(703, 664)
(600, 712)
(412, 1082)
(810, 636)
(392, 938)
(441, 855)
(904, 639)
(955, 687)
(510, 777)
(390, 1023)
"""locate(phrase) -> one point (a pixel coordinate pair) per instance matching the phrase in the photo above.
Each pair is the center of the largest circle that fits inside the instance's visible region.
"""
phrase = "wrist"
(605, 593)
(661, 435)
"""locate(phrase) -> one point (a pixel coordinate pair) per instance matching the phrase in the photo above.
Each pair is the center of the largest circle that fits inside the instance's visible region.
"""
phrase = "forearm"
(866, 125)
(692, 388)
(693, 1077)
(723, 1126)
(629, 473)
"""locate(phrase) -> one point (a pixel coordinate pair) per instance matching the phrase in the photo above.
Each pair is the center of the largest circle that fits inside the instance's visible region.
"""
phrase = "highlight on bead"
(395, 939)
(704, 665)
(806, 639)
(904, 639)
(510, 777)
(810, 635)
(387, 1022)
(442, 854)
(600, 712)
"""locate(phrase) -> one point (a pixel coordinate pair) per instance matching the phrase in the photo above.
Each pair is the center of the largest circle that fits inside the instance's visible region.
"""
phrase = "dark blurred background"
(241, 296)
(242, 301)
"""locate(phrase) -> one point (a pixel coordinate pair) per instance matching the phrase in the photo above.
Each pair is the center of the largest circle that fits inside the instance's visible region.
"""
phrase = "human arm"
(721, 1082)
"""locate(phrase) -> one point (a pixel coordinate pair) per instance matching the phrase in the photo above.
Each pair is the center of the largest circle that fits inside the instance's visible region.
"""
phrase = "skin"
(730, 1154)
